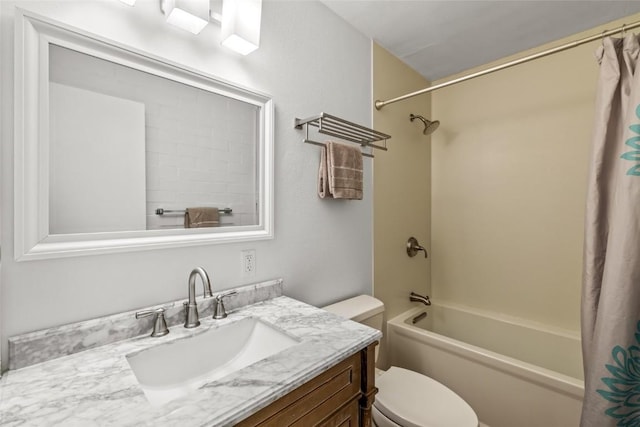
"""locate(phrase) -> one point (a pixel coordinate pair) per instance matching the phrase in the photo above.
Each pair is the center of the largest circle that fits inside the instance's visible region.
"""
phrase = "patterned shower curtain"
(611, 276)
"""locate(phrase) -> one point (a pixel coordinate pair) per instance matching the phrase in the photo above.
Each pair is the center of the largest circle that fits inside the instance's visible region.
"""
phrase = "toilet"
(405, 398)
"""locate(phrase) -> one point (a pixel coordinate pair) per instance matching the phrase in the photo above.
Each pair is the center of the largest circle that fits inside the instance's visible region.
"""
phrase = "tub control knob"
(413, 247)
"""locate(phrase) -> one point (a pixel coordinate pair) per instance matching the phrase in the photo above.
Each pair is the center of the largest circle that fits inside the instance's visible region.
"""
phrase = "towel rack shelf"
(343, 129)
(161, 211)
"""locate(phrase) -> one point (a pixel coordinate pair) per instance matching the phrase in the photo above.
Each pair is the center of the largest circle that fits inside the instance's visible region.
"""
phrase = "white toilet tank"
(364, 309)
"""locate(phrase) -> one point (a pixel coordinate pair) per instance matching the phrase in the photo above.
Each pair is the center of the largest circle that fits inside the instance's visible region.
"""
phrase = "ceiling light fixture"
(190, 15)
(129, 2)
(241, 25)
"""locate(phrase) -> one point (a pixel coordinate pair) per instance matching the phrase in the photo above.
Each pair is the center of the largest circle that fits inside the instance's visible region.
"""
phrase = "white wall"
(101, 139)
(309, 61)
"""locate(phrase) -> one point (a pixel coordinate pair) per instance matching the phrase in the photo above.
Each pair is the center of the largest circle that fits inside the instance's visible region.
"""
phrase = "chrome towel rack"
(343, 129)
(161, 211)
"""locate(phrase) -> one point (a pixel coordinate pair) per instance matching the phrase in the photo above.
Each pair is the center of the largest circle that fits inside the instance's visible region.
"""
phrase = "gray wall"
(309, 61)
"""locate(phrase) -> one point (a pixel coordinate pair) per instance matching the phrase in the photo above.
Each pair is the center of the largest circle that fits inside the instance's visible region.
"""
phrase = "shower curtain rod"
(379, 104)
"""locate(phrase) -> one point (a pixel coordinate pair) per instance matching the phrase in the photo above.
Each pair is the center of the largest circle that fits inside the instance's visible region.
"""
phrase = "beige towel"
(340, 172)
(201, 217)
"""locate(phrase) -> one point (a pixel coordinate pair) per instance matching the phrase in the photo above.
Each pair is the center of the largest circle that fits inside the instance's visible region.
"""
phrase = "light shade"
(129, 2)
(190, 15)
(241, 25)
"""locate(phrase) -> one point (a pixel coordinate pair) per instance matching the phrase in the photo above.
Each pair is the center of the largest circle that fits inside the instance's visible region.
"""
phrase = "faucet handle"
(219, 312)
(413, 247)
(225, 294)
(159, 322)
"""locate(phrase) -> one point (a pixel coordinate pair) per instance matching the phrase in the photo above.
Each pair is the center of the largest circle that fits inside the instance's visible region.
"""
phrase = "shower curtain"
(611, 275)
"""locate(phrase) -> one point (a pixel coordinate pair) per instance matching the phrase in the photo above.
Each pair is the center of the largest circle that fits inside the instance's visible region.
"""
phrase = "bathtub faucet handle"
(419, 298)
(413, 247)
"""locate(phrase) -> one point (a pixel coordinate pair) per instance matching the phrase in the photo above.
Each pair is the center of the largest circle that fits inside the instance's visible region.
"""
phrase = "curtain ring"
(624, 29)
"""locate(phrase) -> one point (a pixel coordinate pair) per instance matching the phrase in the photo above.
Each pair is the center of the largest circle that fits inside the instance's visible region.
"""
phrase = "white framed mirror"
(113, 146)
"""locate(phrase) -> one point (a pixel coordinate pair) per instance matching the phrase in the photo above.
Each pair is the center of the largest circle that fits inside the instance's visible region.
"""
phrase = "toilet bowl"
(406, 398)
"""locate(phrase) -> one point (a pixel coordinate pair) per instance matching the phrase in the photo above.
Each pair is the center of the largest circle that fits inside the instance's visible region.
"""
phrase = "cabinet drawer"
(315, 400)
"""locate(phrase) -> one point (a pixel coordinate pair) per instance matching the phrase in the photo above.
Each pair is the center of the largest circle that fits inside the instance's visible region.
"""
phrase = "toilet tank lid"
(357, 308)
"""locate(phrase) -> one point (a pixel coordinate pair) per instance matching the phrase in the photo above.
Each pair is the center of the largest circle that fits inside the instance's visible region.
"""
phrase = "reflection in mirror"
(113, 145)
(130, 150)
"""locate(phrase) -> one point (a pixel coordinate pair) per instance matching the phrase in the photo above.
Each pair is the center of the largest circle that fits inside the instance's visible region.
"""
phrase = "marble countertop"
(96, 387)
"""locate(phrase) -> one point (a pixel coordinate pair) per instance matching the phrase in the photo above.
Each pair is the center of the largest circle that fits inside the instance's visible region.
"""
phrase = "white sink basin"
(169, 371)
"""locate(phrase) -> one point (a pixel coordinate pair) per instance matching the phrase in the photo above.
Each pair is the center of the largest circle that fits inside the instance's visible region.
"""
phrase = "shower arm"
(429, 125)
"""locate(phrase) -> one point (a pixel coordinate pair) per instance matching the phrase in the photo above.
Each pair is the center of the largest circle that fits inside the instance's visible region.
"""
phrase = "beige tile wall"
(509, 167)
(402, 185)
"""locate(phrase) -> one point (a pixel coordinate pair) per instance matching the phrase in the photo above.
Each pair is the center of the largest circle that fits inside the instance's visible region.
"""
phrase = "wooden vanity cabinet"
(341, 396)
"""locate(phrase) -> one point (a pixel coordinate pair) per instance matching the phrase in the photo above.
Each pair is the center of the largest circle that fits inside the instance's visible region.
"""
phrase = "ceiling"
(441, 38)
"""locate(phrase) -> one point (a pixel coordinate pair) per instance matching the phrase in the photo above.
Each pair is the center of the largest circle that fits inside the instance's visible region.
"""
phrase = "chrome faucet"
(192, 319)
(419, 298)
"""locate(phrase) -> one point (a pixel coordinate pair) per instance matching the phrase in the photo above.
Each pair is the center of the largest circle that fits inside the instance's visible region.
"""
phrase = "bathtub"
(513, 373)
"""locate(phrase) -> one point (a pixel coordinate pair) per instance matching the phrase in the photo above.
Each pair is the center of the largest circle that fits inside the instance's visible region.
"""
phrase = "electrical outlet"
(248, 265)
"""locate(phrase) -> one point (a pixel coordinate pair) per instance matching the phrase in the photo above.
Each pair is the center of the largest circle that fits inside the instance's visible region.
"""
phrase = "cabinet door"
(315, 401)
(348, 416)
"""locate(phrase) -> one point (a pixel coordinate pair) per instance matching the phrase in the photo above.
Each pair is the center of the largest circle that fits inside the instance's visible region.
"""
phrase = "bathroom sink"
(175, 369)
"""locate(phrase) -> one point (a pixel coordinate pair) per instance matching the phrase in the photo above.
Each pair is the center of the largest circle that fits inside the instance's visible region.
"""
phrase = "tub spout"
(419, 298)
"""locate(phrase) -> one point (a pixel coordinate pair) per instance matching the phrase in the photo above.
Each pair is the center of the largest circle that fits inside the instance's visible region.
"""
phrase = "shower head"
(429, 126)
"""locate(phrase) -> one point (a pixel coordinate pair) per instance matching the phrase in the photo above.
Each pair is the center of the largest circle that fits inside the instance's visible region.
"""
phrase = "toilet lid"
(414, 400)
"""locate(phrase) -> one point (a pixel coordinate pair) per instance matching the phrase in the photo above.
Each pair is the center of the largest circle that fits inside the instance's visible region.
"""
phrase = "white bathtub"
(513, 374)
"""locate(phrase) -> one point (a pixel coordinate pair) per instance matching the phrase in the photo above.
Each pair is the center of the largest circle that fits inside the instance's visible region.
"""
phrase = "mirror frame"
(32, 241)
